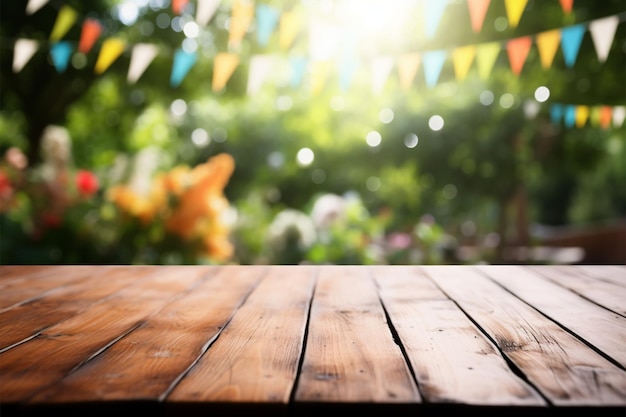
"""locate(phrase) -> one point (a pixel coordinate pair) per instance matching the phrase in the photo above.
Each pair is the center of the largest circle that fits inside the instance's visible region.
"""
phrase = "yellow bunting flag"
(567, 5)
(462, 59)
(517, 50)
(582, 114)
(478, 10)
(65, 19)
(111, 49)
(241, 16)
(288, 28)
(319, 75)
(224, 65)
(514, 11)
(408, 65)
(548, 43)
(486, 56)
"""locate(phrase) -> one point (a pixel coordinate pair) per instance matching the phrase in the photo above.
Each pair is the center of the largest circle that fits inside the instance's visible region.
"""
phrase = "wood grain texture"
(604, 293)
(350, 354)
(604, 329)
(612, 273)
(25, 320)
(145, 363)
(453, 361)
(562, 367)
(53, 354)
(255, 358)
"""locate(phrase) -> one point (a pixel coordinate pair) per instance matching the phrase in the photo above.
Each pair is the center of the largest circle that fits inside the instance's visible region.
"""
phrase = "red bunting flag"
(477, 11)
(517, 50)
(179, 5)
(89, 35)
(567, 5)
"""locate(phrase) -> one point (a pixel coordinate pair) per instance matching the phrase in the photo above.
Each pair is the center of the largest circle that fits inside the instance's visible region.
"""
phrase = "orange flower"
(132, 203)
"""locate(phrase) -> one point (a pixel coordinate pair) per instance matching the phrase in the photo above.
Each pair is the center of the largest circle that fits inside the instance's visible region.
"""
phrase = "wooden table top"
(300, 340)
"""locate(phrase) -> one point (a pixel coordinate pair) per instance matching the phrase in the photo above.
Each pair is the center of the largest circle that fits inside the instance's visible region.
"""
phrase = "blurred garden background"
(312, 131)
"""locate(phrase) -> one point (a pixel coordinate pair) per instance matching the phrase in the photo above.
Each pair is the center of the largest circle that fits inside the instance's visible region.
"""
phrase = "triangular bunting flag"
(619, 114)
(567, 5)
(298, 69)
(23, 51)
(183, 62)
(205, 9)
(602, 33)
(111, 49)
(381, 68)
(517, 50)
(34, 5)
(433, 13)
(223, 67)
(556, 113)
(569, 118)
(486, 56)
(347, 68)
(178, 6)
(571, 38)
(260, 68)
(477, 11)
(64, 21)
(604, 118)
(61, 52)
(141, 56)
(433, 64)
(462, 59)
(582, 115)
(288, 28)
(319, 75)
(267, 19)
(89, 34)
(408, 64)
(241, 16)
(514, 11)
(548, 43)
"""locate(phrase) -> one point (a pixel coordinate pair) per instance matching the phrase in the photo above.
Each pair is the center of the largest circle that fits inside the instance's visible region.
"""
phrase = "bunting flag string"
(288, 23)
(579, 115)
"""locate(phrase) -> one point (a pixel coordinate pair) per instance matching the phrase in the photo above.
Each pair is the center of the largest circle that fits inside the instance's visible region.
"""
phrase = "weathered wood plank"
(613, 273)
(350, 354)
(562, 367)
(44, 360)
(255, 358)
(28, 287)
(601, 328)
(25, 320)
(604, 293)
(144, 364)
(8, 272)
(453, 361)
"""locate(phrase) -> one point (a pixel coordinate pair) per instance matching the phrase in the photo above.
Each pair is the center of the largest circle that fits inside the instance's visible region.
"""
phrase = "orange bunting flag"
(606, 113)
(548, 43)
(65, 19)
(478, 10)
(241, 16)
(486, 56)
(224, 65)
(408, 65)
(110, 51)
(582, 115)
(288, 29)
(567, 5)
(179, 5)
(462, 59)
(514, 11)
(89, 35)
(517, 50)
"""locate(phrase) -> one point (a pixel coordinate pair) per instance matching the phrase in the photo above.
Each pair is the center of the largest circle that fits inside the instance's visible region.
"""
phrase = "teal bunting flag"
(571, 39)
(183, 61)
(61, 52)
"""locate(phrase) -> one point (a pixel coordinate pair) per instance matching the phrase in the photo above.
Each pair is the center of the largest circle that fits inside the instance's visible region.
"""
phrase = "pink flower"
(87, 183)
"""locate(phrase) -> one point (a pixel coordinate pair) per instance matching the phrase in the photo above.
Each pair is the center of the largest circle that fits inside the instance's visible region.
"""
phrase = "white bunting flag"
(381, 68)
(260, 68)
(619, 114)
(205, 10)
(141, 56)
(602, 33)
(34, 5)
(23, 51)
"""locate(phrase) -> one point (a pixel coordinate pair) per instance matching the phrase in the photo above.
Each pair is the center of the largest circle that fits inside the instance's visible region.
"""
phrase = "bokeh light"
(373, 139)
(435, 123)
(305, 157)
